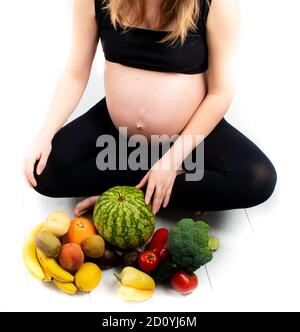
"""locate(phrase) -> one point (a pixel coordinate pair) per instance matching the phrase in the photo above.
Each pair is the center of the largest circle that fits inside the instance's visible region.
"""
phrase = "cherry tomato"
(184, 283)
(148, 261)
(158, 244)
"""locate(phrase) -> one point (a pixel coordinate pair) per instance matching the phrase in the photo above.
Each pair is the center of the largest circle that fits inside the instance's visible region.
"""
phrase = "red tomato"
(184, 283)
(148, 261)
(158, 244)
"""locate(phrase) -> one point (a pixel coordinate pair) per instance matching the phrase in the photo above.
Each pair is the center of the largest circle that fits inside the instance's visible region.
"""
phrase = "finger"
(42, 163)
(167, 197)
(80, 213)
(27, 181)
(143, 181)
(168, 193)
(29, 172)
(84, 205)
(158, 199)
(25, 176)
(149, 192)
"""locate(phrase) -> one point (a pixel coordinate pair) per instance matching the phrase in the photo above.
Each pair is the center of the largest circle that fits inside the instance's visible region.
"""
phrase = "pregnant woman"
(168, 71)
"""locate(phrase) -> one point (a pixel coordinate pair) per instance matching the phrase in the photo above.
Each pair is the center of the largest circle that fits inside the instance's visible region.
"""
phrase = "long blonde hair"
(185, 14)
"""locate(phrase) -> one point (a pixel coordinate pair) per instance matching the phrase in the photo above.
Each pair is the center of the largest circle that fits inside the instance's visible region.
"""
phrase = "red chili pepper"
(148, 261)
(158, 244)
(183, 282)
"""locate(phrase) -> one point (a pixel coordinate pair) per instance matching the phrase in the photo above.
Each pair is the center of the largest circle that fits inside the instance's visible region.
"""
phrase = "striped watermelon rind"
(123, 219)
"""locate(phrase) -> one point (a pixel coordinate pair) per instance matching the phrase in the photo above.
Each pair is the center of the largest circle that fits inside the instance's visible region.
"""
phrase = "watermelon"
(123, 219)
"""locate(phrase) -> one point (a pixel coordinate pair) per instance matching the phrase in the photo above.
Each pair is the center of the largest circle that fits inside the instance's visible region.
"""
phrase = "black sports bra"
(139, 47)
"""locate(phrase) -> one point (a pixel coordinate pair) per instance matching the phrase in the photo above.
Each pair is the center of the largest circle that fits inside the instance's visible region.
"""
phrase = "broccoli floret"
(188, 244)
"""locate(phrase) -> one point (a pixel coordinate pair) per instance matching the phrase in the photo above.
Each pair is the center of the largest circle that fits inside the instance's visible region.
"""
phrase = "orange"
(80, 229)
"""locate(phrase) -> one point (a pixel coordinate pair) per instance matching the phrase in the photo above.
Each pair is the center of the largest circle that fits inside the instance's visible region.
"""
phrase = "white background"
(258, 266)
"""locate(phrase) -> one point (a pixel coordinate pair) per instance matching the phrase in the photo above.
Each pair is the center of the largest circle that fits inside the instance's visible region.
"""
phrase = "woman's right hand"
(39, 150)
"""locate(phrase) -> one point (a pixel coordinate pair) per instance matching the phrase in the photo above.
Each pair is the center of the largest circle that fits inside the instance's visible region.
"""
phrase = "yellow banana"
(54, 269)
(29, 255)
(66, 287)
(48, 277)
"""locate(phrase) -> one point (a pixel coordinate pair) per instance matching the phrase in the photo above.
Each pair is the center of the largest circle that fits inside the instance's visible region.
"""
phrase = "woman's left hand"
(160, 180)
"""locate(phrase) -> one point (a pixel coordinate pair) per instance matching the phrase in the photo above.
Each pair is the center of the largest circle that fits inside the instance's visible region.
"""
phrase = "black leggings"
(237, 174)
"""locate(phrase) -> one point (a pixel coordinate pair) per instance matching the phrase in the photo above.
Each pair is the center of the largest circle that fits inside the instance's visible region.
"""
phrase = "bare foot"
(85, 205)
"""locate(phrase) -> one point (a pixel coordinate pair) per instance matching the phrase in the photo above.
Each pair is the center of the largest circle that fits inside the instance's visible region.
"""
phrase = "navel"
(140, 126)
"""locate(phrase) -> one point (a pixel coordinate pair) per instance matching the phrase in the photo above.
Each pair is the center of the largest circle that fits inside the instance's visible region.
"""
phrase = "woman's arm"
(75, 75)
(70, 87)
(222, 38)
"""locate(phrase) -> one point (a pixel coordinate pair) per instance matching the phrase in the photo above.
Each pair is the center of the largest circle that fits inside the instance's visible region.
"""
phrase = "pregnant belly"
(151, 103)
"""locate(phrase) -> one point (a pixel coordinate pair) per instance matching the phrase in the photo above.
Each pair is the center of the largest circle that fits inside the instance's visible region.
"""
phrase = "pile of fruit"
(71, 253)
(58, 251)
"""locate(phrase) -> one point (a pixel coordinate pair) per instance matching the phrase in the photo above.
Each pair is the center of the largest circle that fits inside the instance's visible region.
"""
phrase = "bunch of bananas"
(45, 268)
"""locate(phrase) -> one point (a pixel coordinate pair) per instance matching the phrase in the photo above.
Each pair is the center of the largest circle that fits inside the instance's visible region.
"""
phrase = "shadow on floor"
(217, 220)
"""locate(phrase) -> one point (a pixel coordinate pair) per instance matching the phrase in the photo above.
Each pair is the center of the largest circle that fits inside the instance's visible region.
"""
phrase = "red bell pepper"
(158, 244)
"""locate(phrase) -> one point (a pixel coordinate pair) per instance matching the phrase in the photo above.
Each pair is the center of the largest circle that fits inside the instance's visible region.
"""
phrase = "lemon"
(88, 277)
